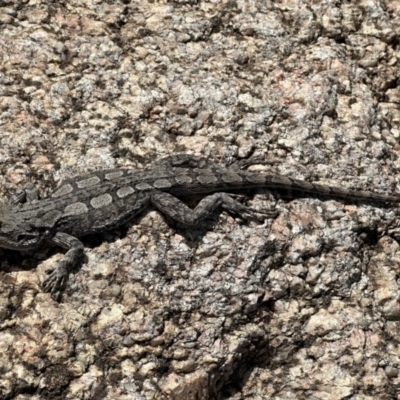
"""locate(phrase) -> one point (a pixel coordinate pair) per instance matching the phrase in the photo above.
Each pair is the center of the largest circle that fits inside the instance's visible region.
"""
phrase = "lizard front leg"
(57, 278)
(28, 194)
(176, 209)
(182, 161)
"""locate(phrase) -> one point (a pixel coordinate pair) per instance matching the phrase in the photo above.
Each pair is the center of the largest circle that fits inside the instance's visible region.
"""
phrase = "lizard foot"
(55, 280)
(248, 213)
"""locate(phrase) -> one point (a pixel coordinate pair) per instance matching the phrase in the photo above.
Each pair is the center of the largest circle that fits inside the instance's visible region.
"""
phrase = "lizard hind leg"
(176, 209)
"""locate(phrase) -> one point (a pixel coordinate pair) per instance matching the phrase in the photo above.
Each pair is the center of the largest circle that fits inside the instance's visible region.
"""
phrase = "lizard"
(105, 199)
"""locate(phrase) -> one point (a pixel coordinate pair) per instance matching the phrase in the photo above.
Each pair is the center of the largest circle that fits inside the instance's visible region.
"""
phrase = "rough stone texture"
(302, 307)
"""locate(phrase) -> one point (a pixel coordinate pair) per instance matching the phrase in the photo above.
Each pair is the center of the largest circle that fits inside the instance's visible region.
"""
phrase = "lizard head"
(13, 235)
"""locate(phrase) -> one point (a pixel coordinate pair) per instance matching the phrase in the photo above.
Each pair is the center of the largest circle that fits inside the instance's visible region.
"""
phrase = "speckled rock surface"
(305, 306)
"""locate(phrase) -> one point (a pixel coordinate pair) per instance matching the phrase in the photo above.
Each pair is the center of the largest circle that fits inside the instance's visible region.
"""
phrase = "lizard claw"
(248, 213)
(253, 214)
(55, 281)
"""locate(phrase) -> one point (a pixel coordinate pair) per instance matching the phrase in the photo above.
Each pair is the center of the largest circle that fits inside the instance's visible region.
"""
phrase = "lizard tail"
(282, 182)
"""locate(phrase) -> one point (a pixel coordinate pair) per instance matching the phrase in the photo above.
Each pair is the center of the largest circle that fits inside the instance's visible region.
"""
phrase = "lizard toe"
(54, 282)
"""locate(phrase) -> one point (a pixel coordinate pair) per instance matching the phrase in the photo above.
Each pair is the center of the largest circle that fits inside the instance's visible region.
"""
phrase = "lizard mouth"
(27, 240)
(22, 242)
